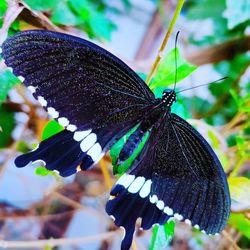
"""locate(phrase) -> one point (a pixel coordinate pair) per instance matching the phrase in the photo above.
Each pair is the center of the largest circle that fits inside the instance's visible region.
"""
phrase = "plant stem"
(105, 173)
(165, 40)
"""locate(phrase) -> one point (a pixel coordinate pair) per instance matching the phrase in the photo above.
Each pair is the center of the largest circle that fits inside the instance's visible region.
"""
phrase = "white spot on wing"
(136, 184)
(32, 89)
(197, 226)
(169, 211)
(80, 135)
(188, 222)
(88, 142)
(125, 180)
(63, 121)
(71, 127)
(178, 216)
(10, 69)
(160, 204)
(42, 101)
(203, 231)
(21, 78)
(53, 113)
(144, 192)
(153, 199)
(95, 152)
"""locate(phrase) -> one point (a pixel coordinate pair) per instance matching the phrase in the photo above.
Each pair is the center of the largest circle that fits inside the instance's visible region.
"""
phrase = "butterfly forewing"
(76, 79)
(88, 90)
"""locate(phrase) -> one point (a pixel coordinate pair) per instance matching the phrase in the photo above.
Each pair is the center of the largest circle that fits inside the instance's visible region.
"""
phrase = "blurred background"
(37, 206)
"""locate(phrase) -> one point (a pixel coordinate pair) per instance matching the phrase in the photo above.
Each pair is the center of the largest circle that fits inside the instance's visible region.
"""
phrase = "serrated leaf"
(42, 5)
(162, 235)
(240, 190)
(236, 12)
(241, 223)
(7, 82)
(165, 73)
(7, 124)
(51, 128)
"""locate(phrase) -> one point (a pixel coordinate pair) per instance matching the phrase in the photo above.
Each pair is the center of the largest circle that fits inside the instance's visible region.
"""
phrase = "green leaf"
(162, 235)
(202, 9)
(236, 12)
(215, 143)
(42, 5)
(7, 81)
(3, 8)
(7, 124)
(100, 25)
(42, 171)
(116, 149)
(241, 223)
(165, 73)
(240, 190)
(51, 128)
(63, 15)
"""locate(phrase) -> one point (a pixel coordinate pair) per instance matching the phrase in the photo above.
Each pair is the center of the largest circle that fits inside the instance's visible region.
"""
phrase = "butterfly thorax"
(168, 97)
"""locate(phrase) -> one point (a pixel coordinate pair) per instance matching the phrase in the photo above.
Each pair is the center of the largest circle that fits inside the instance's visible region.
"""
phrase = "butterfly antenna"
(221, 79)
(175, 58)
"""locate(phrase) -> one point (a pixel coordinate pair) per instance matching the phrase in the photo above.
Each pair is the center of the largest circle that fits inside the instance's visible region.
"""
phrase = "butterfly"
(97, 99)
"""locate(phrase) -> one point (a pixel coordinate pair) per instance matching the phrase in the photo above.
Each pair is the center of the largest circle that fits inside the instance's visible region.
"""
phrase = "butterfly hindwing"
(176, 176)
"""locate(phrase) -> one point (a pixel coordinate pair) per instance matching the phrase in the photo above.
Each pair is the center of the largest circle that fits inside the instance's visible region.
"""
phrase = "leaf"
(101, 26)
(51, 128)
(162, 235)
(116, 149)
(202, 9)
(7, 81)
(7, 124)
(215, 143)
(42, 5)
(236, 12)
(165, 73)
(42, 171)
(241, 223)
(240, 190)
(63, 15)
(3, 8)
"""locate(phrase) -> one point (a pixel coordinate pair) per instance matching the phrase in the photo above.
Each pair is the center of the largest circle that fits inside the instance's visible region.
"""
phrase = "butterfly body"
(97, 99)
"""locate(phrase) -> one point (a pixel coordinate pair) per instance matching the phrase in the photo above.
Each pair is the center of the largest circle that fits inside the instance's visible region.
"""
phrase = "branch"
(220, 52)
(55, 242)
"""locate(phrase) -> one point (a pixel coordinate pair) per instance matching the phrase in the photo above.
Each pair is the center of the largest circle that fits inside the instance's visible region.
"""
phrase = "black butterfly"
(98, 99)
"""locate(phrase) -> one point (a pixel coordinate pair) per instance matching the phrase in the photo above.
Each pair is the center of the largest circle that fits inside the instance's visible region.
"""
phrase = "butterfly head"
(168, 97)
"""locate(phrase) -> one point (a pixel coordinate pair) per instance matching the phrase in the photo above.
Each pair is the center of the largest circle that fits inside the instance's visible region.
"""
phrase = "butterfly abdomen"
(131, 144)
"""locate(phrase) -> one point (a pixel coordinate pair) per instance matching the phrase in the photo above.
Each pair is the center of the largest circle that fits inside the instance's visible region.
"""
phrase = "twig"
(106, 174)
(13, 11)
(228, 237)
(55, 242)
(165, 40)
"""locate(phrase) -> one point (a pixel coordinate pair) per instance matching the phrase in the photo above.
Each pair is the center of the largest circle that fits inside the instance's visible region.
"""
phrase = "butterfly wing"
(176, 176)
(81, 85)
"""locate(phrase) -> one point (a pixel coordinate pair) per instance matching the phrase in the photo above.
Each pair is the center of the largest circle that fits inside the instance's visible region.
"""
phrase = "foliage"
(7, 124)
(162, 236)
(166, 72)
(7, 81)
